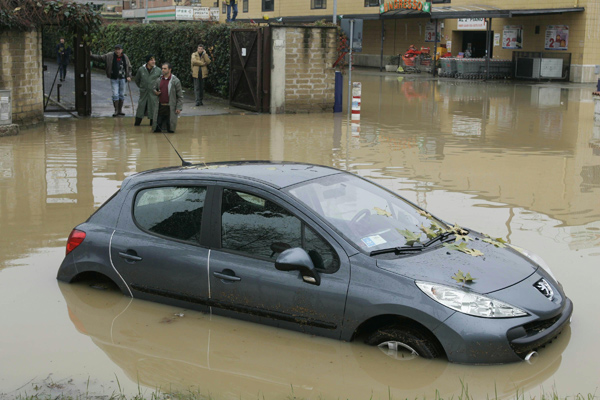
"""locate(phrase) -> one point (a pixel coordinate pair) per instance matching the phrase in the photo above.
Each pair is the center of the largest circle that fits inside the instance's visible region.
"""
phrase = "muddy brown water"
(516, 161)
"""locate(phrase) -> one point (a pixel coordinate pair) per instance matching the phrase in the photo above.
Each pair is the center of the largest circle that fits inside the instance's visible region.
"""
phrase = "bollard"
(598, 86)
(338, 92)
(356, 100)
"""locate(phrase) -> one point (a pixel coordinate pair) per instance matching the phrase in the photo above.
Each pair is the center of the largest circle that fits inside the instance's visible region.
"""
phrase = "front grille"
(533, 328)
(536, 327)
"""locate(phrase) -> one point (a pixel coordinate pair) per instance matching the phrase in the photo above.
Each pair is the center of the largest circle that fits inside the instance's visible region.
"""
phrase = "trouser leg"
(201, 89)
(235, 12)
(197, 83)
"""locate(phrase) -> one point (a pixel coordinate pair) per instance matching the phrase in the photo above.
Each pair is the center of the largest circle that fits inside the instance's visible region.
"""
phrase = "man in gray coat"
(170, 101)
(118, 70)
(145, 78)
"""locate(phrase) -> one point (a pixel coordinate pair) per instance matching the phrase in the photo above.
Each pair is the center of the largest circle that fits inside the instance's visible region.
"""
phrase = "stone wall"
(302, 76)
(21, 72)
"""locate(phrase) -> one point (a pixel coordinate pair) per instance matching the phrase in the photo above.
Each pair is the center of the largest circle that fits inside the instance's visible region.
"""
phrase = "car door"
(249, 231)
(156, 247)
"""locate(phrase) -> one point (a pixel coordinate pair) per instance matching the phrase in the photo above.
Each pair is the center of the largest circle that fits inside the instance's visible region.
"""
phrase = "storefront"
(500, 34)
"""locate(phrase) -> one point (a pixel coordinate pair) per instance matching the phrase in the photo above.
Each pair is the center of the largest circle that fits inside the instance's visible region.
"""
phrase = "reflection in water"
(516, 161)
(154, 345)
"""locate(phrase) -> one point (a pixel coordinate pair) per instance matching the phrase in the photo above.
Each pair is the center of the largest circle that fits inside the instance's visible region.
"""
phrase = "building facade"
(565, 29)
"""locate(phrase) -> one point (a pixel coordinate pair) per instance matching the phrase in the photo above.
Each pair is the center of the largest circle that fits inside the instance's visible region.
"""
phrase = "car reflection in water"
(224, 357)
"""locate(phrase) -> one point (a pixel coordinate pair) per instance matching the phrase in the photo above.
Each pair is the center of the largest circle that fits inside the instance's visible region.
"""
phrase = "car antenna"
(183, 162)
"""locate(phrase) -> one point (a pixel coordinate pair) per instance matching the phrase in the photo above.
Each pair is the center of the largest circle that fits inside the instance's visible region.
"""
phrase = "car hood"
(496, 269)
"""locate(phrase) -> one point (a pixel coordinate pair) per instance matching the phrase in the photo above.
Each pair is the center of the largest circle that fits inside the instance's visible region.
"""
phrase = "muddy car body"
(322, 251)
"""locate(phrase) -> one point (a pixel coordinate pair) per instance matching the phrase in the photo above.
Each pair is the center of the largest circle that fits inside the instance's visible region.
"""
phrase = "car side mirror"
(297, 259)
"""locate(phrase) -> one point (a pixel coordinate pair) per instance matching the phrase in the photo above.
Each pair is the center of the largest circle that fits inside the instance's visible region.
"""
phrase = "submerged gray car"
(321, 251)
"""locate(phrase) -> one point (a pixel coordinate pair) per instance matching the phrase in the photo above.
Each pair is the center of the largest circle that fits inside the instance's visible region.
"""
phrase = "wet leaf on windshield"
(461, 277)
(424, 213)
(465, 238)
(498, 242)
(382, 212)
(429, 232)
(411, 237)
(463, 248)
(458, 230)
(272, 169)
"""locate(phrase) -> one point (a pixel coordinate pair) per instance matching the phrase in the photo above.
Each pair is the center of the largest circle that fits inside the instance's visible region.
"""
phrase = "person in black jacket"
(118, 69)
(63, 57)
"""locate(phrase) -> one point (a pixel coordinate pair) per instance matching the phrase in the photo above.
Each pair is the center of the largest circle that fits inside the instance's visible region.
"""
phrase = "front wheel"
(403, 343)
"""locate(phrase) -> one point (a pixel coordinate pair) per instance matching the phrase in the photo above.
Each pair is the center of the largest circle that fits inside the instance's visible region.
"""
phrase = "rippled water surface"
(516, 161)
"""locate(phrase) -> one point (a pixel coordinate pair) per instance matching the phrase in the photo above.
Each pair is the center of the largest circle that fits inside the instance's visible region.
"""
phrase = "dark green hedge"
(172, 42)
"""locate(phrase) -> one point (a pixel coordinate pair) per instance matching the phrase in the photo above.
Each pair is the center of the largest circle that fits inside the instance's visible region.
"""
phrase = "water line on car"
(113, 264)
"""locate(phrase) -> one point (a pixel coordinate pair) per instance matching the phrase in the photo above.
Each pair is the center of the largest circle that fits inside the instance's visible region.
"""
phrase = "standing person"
(63, 57)
(200, 61)
(170, 100)
(118, 70)
(231, 4)
(145, 78)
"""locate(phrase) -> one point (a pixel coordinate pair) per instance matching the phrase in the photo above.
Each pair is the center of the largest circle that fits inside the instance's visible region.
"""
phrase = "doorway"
(477, 41)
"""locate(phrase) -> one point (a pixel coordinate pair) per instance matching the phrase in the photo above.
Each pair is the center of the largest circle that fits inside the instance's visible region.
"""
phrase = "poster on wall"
(430, 32)
(512, 37)
(465, 24)
(557, 37)
(496, 39)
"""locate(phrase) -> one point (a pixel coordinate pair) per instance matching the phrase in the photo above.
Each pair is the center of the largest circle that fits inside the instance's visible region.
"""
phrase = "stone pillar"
(21, 72)
(303, 78)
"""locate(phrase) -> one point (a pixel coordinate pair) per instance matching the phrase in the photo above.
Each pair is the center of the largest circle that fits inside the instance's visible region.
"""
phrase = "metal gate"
(69, 91)
(250, 69)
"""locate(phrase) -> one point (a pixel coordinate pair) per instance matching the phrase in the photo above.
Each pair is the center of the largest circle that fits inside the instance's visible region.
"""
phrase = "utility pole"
(334, 11)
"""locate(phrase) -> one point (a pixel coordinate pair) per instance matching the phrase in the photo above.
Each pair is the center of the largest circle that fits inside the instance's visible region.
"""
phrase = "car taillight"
(75, 239)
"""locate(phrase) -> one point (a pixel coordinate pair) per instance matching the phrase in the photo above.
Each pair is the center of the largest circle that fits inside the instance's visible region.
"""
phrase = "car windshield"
(367, 215)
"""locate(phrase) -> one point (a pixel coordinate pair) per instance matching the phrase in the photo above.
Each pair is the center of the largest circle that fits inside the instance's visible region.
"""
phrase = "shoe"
(121, 107)
(198, 103)
(138, 121)
(116, 104)
(171, 131)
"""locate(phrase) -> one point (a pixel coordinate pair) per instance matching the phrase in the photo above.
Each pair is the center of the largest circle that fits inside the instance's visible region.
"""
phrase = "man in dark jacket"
(63, 56)
(145, 78)
(170, 101)
(118, 70)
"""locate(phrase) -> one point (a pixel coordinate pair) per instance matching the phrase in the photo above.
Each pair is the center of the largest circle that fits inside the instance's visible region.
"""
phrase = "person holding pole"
(118, 70)
(145, 78)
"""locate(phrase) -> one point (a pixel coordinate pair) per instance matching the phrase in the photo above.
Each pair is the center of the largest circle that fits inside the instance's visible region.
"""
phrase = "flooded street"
(516, 161)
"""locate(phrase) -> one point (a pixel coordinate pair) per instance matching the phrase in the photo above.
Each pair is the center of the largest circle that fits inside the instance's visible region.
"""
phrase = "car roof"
(271, 173)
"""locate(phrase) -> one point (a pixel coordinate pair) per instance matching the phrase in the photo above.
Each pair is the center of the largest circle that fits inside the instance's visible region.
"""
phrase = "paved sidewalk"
(102, 105)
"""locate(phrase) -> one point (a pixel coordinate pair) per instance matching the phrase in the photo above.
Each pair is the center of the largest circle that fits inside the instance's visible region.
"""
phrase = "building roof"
(475, 11)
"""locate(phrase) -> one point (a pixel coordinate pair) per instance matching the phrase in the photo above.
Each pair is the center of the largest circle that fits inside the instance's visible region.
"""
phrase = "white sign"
(214, 13)
(471, 23)
(184, 13)
(430, 32)
(202, 13)
(496, 39)
(243, 52)
(557, 37)
(449, 46)
(512, 37)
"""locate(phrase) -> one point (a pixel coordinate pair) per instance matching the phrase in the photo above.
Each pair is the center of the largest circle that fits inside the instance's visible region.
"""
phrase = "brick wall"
(306, 55)
(21, 72)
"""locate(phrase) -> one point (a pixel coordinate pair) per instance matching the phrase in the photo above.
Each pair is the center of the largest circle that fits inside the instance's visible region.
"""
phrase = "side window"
(175, 212)
(256, 226)
(321, 253)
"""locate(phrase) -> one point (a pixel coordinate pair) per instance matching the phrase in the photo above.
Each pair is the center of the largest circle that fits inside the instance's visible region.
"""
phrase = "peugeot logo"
(544, 287)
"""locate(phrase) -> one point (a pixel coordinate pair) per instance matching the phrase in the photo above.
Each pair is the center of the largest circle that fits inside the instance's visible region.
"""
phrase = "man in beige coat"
(200, 61)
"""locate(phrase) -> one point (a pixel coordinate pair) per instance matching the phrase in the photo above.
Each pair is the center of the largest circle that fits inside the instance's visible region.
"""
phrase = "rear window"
(174, 211)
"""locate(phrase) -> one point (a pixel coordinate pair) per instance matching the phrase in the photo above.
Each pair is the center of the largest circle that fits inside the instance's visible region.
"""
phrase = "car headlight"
(468, 302)
(536, 259)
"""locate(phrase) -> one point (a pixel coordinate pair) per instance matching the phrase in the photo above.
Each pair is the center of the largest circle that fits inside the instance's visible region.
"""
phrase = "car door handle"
(227, 277)
(130, 257)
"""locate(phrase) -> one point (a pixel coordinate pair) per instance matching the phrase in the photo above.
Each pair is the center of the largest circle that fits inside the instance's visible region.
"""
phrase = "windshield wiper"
(415, 248)
(441, 237)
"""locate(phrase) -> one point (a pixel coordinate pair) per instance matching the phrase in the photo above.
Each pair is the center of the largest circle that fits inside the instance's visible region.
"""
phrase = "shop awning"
(474, 11)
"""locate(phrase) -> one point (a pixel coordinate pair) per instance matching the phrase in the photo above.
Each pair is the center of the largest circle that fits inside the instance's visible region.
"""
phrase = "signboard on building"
(214, 13)
(412, 5)
(184, 13)
(512, 37)
(466, 24)
(201, 13)
(161, 13)
(557, 37)
(430, 32)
